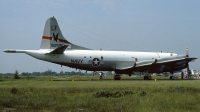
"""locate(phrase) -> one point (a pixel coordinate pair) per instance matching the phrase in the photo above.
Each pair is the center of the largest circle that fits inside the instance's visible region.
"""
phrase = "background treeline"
(52, 73)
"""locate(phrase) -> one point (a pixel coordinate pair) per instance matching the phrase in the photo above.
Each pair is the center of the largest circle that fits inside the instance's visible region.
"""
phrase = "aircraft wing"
(174, 60)
(157, 62)
(124, 65)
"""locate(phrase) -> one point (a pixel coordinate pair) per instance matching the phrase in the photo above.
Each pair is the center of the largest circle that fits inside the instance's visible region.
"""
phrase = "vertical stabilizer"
(52, 37)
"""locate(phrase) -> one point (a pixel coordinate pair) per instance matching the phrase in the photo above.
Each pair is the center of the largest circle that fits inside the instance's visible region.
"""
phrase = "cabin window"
(84, 56)
(136, 59)
(102, 57)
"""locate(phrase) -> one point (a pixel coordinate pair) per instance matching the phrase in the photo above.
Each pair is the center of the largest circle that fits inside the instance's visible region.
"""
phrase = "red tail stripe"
(51, 38)
(46, 37)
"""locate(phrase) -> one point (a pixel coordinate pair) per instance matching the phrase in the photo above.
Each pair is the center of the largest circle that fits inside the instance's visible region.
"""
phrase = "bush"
(142, 93)
(16, 76)
(114, 94)
(14, 90)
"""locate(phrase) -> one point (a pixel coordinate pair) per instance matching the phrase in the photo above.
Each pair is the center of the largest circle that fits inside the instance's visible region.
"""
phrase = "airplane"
(56, 49)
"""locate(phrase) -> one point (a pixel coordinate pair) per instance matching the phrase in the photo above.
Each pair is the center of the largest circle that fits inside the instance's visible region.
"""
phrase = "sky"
(121, 25)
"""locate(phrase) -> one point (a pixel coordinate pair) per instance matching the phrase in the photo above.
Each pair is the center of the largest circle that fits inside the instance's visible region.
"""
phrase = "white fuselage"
(94, 60)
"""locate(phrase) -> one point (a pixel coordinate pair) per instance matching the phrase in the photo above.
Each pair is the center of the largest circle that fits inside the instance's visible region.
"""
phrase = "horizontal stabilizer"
(14, 51)
(9, 51)
(59, 50)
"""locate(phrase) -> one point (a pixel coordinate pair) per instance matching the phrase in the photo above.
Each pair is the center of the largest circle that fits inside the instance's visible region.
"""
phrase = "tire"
(149, 77)
(171, 77)
(117, 77)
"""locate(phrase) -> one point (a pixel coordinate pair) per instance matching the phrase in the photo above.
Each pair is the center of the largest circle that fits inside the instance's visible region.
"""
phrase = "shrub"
(14, 90)
(142, 93)
(16, 76)
(115, 94)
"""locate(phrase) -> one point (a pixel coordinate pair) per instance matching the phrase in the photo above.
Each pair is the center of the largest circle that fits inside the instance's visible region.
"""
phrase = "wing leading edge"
(157, 62)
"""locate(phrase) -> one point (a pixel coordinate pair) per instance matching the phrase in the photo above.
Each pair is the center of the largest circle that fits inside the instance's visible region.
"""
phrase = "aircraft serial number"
(56, 45)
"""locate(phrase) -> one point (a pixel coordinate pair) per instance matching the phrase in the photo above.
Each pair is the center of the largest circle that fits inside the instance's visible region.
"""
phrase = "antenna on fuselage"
(187, 52)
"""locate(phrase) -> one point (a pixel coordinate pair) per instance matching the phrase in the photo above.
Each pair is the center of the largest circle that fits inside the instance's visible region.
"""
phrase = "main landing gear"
(117, 77)
(171, 77)
(147, 77)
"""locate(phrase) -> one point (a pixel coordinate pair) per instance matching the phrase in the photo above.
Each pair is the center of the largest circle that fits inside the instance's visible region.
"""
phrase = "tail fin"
(52, 37)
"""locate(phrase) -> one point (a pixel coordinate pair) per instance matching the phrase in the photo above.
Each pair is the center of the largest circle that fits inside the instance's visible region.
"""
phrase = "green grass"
(78, 94)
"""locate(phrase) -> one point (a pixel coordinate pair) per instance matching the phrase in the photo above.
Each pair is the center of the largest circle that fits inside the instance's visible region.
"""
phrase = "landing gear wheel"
(147, 77)
(171, 77)
(117, 77)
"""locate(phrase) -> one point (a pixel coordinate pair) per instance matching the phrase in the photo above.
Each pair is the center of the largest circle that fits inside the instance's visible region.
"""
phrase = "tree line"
(49, 73)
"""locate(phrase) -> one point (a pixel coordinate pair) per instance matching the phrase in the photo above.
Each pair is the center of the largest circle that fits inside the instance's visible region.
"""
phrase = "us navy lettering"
(76, 61)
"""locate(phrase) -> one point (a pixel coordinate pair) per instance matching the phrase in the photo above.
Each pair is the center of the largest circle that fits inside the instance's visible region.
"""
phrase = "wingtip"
(9, 51)
(5, 50)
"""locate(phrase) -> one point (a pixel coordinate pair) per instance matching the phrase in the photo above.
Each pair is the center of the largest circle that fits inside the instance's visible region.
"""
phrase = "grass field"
(78, 93)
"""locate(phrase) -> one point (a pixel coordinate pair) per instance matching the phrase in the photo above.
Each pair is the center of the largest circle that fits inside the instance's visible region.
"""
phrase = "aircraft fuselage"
(95, 60)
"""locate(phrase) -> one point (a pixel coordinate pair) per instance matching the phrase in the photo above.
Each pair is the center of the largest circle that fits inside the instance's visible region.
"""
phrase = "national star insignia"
(96, 62)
